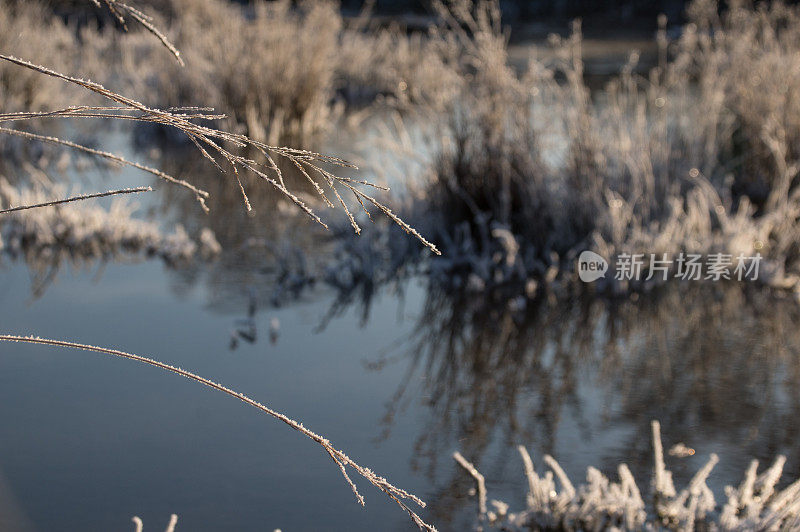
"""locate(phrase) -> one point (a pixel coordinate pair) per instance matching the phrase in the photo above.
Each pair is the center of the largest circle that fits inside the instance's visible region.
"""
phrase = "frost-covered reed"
(400, 496)
(138, 524)
(554, 503)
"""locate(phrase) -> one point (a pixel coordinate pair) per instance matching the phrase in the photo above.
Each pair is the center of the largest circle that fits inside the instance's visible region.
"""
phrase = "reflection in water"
(709, 360)
(245, 328)
(273, 251)
(88, 234)
(712, 362)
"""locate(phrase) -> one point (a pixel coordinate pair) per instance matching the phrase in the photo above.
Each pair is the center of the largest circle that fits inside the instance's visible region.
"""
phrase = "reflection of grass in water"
(81, 235)
(272, 245)
(712, 361)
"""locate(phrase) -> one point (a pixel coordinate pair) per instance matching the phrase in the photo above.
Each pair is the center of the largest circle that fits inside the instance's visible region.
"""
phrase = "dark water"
(398, 380)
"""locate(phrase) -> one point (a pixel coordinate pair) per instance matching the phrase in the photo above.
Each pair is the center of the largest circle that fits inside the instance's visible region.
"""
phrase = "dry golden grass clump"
(403, 69)
(270, 67)
(698, 156)
(282, 71)
(747, 60)
(25, 31)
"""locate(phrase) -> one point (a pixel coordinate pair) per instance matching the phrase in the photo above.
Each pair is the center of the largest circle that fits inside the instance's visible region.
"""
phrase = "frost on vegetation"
(289, 69)
(553, 503)
(138, 524)
(698, 156)
(530, 167)
(87, 231)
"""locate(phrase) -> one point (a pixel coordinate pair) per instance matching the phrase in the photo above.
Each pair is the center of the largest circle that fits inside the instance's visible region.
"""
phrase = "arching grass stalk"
(340, 458)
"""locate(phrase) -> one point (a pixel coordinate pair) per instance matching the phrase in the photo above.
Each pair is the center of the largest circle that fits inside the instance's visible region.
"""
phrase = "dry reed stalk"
(479, 481)
(201, 195)
(339, 457)
(116, 7)
(79, 197)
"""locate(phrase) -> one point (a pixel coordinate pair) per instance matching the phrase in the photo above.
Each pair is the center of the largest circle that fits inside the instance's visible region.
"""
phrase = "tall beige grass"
(697, 156)
(270, 67)
(25, 31)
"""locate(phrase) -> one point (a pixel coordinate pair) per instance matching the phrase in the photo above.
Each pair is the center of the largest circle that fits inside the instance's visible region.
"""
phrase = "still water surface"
(87, 441)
